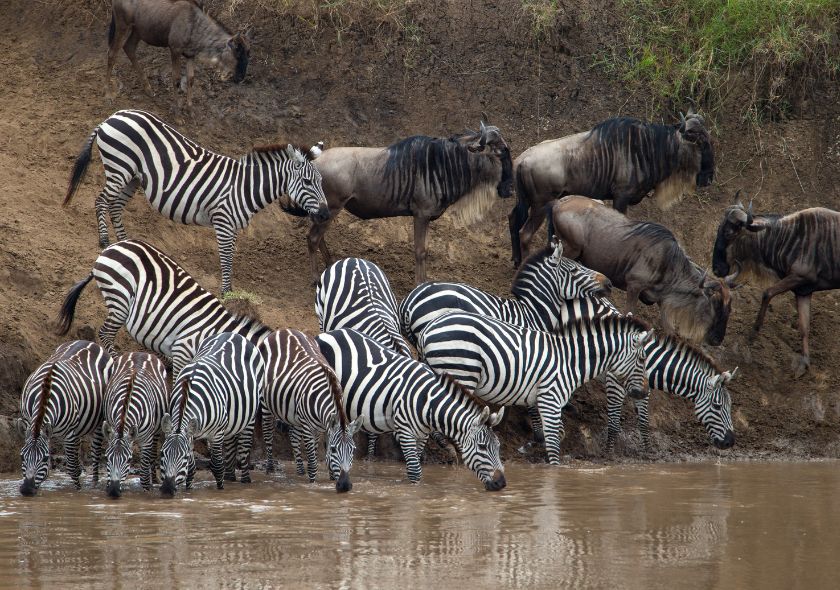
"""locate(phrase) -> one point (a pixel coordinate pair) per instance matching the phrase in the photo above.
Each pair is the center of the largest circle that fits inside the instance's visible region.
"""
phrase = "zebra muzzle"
(497, 483)
(343, 484)
(167, 488)
(28, 487)
(114, 489)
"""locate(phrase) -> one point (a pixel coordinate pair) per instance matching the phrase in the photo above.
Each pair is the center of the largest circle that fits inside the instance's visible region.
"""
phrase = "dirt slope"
(376, 82)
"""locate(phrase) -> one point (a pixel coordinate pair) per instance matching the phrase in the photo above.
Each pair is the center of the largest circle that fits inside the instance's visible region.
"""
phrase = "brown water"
(742, 525)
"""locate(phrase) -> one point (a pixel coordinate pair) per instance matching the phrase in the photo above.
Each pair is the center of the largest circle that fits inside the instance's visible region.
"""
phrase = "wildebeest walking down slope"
(646, 260)
(799, 252)
(420, 177)
(622, 159)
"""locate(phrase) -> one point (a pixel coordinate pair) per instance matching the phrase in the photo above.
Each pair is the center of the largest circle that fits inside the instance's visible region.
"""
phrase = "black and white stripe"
(135, 400)
(540, 288)
(302, 391)
(511, 365)
(62, 400)
(190, 184)
(161, 306)
(216, 397)
(394, 393)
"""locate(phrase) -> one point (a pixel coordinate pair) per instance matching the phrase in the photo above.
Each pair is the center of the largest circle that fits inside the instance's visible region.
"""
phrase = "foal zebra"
(216, 397)
(544, 282)
(302, 391)
(395, 393)
(62, 399)
(190, 184)
(160, 304)
(135, 400)
(510, 365)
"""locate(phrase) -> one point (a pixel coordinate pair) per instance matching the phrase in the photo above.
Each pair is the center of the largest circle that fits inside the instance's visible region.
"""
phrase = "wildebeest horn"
(485, 118)
(692, 104)
(730, 278)
(736, 200)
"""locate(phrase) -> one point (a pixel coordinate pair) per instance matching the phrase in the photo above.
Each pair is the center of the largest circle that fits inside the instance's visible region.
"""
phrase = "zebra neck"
(593, 351)
(675, 368)
(260, 180)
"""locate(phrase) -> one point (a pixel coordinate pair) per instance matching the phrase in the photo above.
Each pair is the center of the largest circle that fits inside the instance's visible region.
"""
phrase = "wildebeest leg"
(190, 76)
(131, 51)
(176, 68)
(516, 219)
(314, 240)
(421, 227)
(803, 308)
(526, 234)
(118, 42)
(633, 293)
(786, 284)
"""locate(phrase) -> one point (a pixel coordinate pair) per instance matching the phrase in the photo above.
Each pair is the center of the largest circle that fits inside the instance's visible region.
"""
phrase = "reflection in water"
(743, 525)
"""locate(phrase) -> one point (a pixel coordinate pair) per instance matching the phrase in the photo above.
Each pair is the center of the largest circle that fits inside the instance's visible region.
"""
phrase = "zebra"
(135, 400)
(355, 294)
(395, 393)
(216, 397)
(190, 184)
(511, 365)
(163, 308)
(302, 391)
(544, 282)
(62, 399)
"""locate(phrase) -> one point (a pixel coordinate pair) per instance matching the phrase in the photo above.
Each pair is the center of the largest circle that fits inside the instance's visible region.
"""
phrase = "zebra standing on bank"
(135, 400)
(160, 304)
(355, 294)
(510, 365)
(395, 393)
(190, 184)
(62, 399)
(302, 391)
(216, 397)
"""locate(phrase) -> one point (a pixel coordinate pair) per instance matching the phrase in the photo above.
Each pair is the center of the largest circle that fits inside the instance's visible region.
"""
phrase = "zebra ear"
(355, 426)
(714, 380)
(558, 250)
(106, 429)
(727, 376)
(20, 425)
(496, 418)
(293, 153)
(166, 424)
(482, 419)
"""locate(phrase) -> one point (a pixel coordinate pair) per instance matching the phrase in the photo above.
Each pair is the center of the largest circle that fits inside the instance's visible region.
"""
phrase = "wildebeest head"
(232, 60)
(715, 315)
(692, 130)
(488, 140)
(736, 219)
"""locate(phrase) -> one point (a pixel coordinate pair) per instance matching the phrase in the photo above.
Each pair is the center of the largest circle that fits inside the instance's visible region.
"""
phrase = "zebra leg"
(311, 456)
(371, 449)
(440, 439)
(96, 453)
(226, 240)
(536, 424)
(190, 476)
(550, 409)
(408, 444)
(229, 448)
(217, 461)
(615, 401)
(421, 447)
(243, 453)
(146, 454)
(268, 438)
(117, 205)
(71, 450)
(644, 425)
(294, 439)
(115, 320)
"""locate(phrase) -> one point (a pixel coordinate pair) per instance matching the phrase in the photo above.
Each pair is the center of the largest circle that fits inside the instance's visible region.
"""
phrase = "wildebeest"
(184, 27)
(646, 260)
(799, 252)
(418, 176)
(622, 159)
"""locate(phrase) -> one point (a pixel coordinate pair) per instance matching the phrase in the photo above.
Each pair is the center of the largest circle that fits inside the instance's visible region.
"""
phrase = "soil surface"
(371, 81)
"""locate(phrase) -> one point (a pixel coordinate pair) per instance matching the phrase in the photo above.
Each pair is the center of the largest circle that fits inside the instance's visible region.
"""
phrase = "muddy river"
(741, 525)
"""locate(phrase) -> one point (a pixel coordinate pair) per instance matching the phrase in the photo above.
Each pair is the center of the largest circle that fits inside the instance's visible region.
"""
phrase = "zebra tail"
(68, 308)
(336, 390)
(46, 385)
(79, 168)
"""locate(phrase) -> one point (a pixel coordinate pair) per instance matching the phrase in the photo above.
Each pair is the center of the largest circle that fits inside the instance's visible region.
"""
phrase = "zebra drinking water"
(302, 391)
(160, 304)
(62, 399)
(135, 400)
(216, 397)
(511, 365)
(394, 393)
(190, 184)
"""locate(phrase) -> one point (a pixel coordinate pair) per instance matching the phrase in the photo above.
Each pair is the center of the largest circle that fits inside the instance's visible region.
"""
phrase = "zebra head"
(303, 184)
(340, 450)
(631, 369)
(714, 409)
(575, 280)
(118, 454)
(479, 448)
(34, 457)
(177, 462)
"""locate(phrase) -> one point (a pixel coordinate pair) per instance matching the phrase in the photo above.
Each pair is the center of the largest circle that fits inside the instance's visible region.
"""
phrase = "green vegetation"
(713, 50)
(241, 295)
(543, 14)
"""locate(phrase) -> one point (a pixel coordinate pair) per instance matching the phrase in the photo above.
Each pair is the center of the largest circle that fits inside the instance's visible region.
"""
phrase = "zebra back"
(355, 294)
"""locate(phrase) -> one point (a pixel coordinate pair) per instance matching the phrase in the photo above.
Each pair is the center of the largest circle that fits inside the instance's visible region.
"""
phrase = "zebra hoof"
(245, 479)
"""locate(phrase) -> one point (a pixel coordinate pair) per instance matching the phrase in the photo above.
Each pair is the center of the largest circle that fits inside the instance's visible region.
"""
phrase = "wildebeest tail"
(68, 308)
(112, 29)
(80, 167)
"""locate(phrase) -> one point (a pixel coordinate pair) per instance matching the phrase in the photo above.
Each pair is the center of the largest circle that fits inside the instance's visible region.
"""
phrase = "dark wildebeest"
(184, 27)
(622, 159)
(419, 176)
(799, 252)
(646, 260)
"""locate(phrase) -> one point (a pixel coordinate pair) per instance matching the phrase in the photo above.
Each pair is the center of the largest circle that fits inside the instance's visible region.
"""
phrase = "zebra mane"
(442, 164)
(528, 267)
(243, 322)
(449, 381)
(307, 342)
(129, 391)
(681, 343)
(281, 147)
(46, 384)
